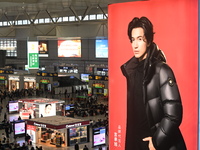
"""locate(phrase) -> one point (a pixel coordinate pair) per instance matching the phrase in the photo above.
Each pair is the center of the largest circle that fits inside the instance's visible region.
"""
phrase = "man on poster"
(154, 108)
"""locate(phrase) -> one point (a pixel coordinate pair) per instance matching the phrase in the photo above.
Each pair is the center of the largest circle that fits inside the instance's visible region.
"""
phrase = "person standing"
(154, 108)
(76, 146)
(85, 148)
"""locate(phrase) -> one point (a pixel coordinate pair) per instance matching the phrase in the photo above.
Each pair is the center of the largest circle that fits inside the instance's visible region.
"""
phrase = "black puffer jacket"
(161, 99)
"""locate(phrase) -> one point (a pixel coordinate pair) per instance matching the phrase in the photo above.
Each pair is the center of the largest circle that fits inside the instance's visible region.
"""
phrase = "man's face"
(139, 43)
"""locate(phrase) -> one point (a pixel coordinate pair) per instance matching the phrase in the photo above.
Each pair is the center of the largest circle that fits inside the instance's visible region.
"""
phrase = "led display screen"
(13, 107)
(69, 48)
(43, 48)
(102, 48)
(19, 128)
(85, 77)
(13, 117)
(99, 136)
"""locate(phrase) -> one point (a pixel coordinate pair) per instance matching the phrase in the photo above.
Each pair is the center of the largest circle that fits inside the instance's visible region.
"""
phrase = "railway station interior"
(55, 85)
(77, 77)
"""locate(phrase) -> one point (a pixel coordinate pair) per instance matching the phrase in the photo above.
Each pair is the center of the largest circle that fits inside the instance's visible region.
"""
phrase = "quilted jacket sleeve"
(172, 108)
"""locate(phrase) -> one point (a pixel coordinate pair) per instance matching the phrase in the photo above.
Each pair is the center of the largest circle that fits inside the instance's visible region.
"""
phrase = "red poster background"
(176, 33)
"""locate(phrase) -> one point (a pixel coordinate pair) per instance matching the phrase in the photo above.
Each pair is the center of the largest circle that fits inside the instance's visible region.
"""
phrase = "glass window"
(5, 23)
(54, 19)
(41, 20)
(105, 16)
(36, 21)
(99, 16)
(92, 17)
(71, 18)
(19, 22)
(65, 18)
(47, 20)
(25, 21)
(86, 18)
(60, 19)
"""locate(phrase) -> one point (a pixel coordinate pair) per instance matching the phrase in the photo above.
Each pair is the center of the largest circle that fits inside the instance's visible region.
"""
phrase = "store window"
(78, 134)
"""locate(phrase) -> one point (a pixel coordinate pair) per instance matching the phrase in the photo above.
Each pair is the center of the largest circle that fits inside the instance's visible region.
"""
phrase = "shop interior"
(58, 131)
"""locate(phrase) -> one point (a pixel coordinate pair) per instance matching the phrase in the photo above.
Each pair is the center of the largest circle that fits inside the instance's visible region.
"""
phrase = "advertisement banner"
(174, 22)
(102, 48)
(69, 48)
(33, 58)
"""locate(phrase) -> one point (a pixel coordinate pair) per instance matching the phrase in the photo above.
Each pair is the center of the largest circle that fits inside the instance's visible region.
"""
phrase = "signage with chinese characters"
(2, 77)
(45, 74)
(44, 81)
(5, 71)
(74, 125)
(98, 77)
(33, 59)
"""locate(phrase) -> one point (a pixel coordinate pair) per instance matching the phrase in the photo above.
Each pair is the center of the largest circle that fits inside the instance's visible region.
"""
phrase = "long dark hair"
(145, 24)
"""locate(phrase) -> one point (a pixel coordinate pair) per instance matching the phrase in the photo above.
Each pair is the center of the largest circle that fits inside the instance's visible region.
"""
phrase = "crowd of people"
(83, 107)
(14, 94)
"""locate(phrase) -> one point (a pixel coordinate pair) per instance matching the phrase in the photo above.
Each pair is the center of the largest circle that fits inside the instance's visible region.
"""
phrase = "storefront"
(29, 82)
(3, 82)
(98, 85)
(58, 131)
(13, 82)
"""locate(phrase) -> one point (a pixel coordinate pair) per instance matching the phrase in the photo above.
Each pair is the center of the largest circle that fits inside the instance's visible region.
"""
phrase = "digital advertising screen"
(69, 48)
(43, 48)
(85, 77)
(69, 110)
(99, 136)
(19, 128)
(13, 117)
(47, 109)
(101, 48)
(169, 18)
(13, 106)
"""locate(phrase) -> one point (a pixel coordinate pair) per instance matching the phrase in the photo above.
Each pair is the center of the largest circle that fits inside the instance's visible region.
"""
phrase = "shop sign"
(13, 77)
(74, 125)
(3, 71)
(45, 74)
(97, 77)
(29, 78)
(39, 125)
(44, 81)
(2, 77)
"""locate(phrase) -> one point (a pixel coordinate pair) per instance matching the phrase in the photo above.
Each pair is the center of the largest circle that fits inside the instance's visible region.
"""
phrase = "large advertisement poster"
(46, 110)
(33, 58)
(43, 48)
(176, 34)
(69, 48)
(31, 131)
(101, 48)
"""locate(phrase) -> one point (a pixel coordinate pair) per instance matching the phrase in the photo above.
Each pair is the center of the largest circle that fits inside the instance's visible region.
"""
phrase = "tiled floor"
(50, 147)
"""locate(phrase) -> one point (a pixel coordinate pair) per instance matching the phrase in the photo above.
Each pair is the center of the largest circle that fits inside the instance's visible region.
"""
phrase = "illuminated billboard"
(33, 59)
(43, 48)
(47, 109)
(101, 48)
(69, 48)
